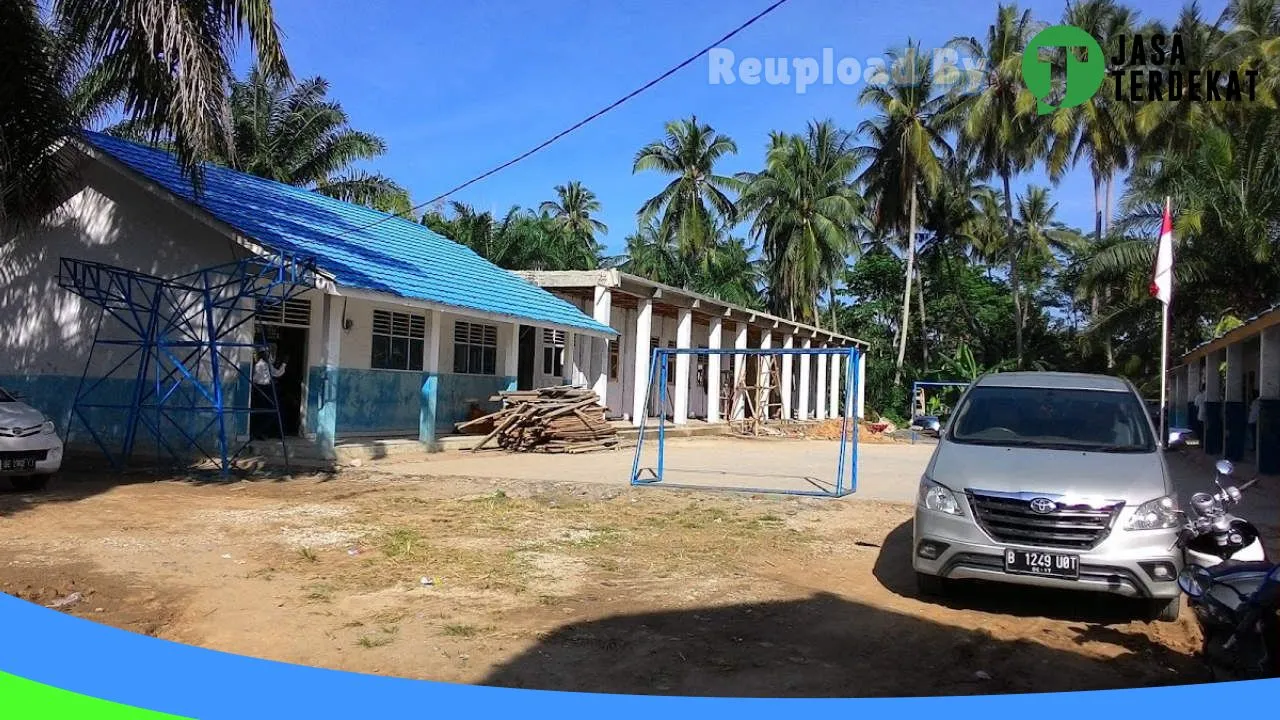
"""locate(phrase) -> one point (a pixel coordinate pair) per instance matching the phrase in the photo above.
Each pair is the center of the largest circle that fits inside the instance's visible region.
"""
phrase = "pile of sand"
(867, 432)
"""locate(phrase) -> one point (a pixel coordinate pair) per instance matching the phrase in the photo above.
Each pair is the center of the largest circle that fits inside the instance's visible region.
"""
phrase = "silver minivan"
(1054, 480)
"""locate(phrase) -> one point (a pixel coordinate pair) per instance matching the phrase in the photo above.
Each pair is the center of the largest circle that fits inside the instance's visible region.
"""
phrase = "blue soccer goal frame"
(846, 472)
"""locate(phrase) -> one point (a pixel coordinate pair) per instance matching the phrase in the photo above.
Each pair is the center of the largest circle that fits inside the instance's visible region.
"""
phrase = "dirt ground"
(564, 586)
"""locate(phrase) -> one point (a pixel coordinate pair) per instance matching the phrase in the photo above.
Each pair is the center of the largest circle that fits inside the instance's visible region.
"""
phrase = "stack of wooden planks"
(563, 419)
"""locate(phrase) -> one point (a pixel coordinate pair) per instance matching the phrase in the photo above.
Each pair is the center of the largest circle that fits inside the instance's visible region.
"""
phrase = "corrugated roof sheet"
(397, 256)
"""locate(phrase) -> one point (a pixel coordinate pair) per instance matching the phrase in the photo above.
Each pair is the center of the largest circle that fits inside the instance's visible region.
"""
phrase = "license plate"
(1027, 562)
(18, 464)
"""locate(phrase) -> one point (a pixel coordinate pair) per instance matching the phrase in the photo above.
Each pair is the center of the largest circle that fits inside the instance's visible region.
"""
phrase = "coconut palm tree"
(805, 213)
(1040, 235)
(694, 202)
(731, 275)
(520, 240)
(165, 64)
(1000, 132)
(571, 211)
(1099, 131)
(651, 254)
(294, 134)
(1226, 200)
(906, 144)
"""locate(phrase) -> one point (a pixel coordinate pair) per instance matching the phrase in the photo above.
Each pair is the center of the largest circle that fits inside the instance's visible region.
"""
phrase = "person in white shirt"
(1254, 408)
(1199, 402)
(264, 424)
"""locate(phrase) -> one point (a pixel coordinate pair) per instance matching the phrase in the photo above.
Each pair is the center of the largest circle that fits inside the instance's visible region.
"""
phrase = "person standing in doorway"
(1199, 402)
(265, 420)
(1254, 407)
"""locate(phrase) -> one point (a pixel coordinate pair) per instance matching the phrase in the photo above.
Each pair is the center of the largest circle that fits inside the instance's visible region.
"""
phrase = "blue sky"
(456, 88)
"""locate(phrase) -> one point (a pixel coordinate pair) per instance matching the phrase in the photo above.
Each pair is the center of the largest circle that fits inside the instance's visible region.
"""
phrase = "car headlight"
(48, 427)
(938, 498)
(1158, 514)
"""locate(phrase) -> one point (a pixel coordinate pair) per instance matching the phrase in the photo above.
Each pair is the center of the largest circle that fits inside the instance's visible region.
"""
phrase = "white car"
(30, 449)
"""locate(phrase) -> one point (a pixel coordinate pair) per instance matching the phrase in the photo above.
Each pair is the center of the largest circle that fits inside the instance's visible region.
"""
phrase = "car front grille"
(1008, 518)
(20, 432)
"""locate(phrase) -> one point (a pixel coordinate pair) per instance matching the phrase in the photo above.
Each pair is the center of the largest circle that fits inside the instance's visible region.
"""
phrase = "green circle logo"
(1084, 77)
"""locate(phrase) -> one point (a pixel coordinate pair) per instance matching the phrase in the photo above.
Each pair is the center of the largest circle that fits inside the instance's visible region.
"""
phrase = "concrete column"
(601, 311)
(714, 338)
(1268, 439)
(820, 402)
(1193, 389)
(788, 342)
(644, 330)
(684, 339)
(1175, 397)
(861, 408)
(837, 381)
(427, 407)
(765, 371)
(739, 371)
(510, 356)
(1213, 403)
(1234, 410)
(805, 386)
(568, 370)
(327, 394)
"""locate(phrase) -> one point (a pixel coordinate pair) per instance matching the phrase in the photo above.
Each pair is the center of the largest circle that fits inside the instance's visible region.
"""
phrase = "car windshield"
(6, 397)
(1065, 419)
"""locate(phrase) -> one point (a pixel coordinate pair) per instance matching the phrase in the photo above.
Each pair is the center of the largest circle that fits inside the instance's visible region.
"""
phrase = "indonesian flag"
(1162, 280)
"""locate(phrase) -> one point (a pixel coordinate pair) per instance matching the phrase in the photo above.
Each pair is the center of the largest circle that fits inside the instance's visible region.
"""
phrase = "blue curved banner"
(58, 651)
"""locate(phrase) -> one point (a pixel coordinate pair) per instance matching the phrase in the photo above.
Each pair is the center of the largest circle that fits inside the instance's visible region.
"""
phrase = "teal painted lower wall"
(339, 401)
(377, 401)
(457, 393)
(54, 395)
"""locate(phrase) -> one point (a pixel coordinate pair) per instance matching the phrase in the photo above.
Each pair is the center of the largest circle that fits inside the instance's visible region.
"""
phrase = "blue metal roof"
(397, 256)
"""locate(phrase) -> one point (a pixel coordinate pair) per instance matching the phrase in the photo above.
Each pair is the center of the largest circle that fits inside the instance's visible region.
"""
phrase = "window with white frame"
(475, 348)
(398, 340)
(553, 352)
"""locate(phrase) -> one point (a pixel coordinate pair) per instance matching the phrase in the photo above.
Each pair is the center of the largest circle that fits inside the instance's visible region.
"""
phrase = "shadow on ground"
(821, 646)
(86, 476)
(893, 571)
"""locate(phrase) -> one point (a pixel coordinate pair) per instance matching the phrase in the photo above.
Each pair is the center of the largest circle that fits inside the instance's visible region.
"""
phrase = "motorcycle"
(1237, 605)
(1232, 589)
(1212, 534)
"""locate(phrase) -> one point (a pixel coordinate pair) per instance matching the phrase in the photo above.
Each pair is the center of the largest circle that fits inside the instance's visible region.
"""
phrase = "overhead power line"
(611, 106)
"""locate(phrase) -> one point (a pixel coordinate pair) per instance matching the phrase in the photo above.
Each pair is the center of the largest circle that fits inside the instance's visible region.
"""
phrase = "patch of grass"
(320, 592)
(308, 554)
(401, 543)
(459, 630)
(369, 642)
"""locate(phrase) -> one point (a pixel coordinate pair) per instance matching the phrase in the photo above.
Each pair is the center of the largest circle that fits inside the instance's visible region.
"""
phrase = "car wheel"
(930, 585)
(31, 483)
(1166, 610)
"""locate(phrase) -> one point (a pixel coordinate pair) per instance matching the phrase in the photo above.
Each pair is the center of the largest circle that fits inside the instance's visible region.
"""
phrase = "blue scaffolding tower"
(173, 353)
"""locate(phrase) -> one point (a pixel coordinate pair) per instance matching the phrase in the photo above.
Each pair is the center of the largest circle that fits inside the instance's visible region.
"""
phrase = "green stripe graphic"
(25, 699)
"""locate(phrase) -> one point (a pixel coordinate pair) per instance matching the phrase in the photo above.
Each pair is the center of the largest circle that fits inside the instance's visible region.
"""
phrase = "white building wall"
(109, 219)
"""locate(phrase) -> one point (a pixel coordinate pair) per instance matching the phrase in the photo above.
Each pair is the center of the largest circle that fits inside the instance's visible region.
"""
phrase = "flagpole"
(1164, 357)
